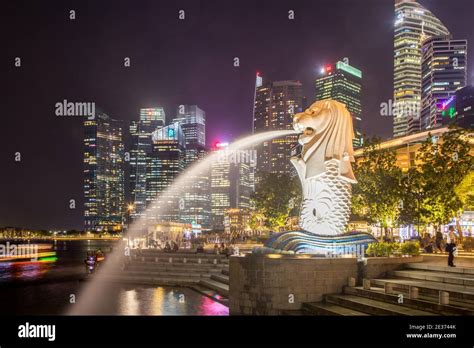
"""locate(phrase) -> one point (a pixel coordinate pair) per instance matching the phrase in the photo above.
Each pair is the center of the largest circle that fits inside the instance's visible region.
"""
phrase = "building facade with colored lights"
(275, 105)
(165, 162)
(196, 204)
(413, 25)
(103, 174)
(444, 71)
(343, 82)
(150, 120)
(459, 109)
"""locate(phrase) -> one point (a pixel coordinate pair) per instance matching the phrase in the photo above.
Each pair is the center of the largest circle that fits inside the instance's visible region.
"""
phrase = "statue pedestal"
(274, 283)
(352, 243)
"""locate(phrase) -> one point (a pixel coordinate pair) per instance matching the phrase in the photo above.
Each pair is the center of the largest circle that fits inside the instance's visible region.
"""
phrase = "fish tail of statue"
(326, 206)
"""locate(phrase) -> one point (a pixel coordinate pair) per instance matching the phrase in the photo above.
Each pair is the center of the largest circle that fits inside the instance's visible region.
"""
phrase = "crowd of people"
(225, 249)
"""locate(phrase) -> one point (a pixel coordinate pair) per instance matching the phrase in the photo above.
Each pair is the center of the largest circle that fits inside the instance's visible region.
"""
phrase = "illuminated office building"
(459, 109)
(275, 105)
(141, 131)
(343, 82)
(413, 25)
(103, 174)
(196, 204)
(231, 184)
(165, 162)
(443, 73)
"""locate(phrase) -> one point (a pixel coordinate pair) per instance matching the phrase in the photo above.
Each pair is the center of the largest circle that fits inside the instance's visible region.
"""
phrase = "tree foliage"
(276, 197)
(444, 166)
(432, 192)
(376, 196)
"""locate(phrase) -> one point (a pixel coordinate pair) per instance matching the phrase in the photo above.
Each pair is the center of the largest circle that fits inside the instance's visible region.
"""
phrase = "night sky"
(172, 62)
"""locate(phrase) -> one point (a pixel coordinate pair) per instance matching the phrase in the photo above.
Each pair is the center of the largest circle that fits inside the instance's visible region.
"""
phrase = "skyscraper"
(103, 174)
(275, 105)
(165, 162)
(196, 204)
(443, 73)
(193, 122)
(343, 82)
(231, 185)
(459, 109)
(141, 132)
(413, 25)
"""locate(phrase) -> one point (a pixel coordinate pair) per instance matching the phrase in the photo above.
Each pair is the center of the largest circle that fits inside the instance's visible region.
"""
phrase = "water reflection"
(163, 301)
(10, 271)
(43, 287)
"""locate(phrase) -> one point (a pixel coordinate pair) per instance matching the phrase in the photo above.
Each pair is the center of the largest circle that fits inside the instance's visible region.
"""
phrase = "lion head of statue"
(326, 133)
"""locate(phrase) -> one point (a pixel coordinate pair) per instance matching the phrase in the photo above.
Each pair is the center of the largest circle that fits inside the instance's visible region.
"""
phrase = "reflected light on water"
(128, 303)
(23, 270)
(164, 301)
(157, 303)
(210, 307)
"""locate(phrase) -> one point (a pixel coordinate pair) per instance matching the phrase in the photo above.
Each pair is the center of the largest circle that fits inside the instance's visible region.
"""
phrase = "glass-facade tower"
(103, 174)
(165, 162)
(196, 205)
(275, 105)
(444, 71)
(231, 185)
(413, 25)
(343, 82)
(141, 132)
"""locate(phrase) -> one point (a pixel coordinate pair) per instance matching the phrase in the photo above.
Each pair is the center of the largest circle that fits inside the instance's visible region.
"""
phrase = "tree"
(377, 195)
(465, 191)
(277, 196)
(445, 164)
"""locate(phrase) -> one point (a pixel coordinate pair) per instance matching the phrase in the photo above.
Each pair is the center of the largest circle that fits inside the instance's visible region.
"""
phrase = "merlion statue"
(324, 166)
(325, 171)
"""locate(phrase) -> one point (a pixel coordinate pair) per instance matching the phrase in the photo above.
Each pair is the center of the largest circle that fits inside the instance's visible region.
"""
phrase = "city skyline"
(57, 163)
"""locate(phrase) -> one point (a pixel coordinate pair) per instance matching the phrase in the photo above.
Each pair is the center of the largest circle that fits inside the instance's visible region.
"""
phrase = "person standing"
(439, 240)
(451, 246)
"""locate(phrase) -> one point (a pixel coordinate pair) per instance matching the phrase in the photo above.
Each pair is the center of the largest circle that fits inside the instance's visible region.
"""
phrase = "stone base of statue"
(302, 242)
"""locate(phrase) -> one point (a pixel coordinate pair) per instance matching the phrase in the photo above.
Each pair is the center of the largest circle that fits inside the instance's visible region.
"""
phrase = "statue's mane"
(332, 139)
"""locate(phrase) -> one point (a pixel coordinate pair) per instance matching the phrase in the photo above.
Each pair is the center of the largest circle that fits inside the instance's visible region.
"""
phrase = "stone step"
(427, 287)
(220, 278)
(147, 280)
(158, 253)
(177, 267)
(442, 277)
(178, 260)
(320, 308)
(439, 268)
(221, 288)
(178, 275)
(294, 313)
(424, 304)
(225, 271)
(434, 298)
(373, 307)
